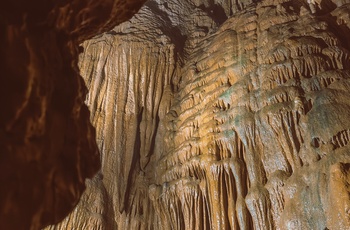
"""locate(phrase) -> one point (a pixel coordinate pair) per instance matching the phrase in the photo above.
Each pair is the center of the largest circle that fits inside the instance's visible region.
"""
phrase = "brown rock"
(48, 145)
(338, 210)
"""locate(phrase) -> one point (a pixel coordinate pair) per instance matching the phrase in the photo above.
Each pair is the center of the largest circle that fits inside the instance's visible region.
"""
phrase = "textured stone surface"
(47, 143)
(220, 115)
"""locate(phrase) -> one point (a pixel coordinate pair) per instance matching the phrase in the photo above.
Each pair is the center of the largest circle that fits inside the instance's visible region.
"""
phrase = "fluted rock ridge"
(221, 115)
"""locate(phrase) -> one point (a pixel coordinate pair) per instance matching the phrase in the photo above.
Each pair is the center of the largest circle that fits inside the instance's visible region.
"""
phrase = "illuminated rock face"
(220, 115)
(47, 143)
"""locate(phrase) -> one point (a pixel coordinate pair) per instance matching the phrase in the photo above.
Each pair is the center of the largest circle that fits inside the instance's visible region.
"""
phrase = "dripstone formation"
(220, 115)
(47, 143)
(208, 114)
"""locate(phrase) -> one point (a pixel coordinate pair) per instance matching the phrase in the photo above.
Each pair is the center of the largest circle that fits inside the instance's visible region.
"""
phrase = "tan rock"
(220, 115)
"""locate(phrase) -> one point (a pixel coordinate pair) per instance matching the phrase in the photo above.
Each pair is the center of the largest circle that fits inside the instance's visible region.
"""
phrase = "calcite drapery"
(221, 115)
(47, 144)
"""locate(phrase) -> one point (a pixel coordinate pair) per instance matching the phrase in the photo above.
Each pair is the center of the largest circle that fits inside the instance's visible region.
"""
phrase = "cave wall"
(47, 143)
(220, 115)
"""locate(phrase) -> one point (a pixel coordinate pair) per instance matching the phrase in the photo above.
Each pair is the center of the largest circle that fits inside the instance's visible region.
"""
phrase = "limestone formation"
(47, 143)
(220, 115)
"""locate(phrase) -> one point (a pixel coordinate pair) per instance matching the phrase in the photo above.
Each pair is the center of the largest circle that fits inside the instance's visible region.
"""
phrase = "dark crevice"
(341, 31)
(153, 140)
(134, 165)
(216, 12)
(176, 36)
(315, 142)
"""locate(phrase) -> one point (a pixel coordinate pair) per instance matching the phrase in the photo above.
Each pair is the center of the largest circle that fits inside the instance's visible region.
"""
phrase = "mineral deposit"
(220, 115)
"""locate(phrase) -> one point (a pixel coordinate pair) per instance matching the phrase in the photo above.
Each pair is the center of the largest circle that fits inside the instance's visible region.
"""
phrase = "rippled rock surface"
(220, 115)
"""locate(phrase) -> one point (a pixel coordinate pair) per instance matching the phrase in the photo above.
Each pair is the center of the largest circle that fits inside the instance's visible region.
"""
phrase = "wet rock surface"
(220, 115)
